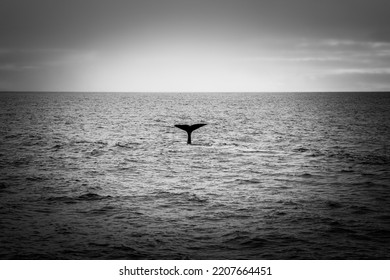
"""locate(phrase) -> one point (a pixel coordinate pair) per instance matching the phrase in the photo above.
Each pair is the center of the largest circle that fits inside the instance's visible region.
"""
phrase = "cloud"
(292, 58)
(43, 68)
(14, 67)
(354, 43)
(368, 71)
(25, 59)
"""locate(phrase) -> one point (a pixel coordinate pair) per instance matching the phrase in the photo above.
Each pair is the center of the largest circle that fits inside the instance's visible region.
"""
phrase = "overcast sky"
(182, 45)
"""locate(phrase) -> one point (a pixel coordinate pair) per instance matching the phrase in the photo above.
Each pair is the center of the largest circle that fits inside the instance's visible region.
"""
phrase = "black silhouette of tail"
(189, 129)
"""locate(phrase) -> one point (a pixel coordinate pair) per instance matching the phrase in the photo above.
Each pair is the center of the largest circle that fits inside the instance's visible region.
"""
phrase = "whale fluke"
(189, 129)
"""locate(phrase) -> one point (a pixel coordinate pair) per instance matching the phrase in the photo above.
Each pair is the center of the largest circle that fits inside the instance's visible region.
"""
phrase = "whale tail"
(189, 129)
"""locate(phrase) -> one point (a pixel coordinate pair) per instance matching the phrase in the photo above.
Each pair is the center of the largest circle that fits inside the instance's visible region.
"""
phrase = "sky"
(195, 45)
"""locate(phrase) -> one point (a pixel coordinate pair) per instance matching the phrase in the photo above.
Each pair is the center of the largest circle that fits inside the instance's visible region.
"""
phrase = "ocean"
(271, 176)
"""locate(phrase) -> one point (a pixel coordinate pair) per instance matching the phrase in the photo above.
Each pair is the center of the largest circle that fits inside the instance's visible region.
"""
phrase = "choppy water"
(272, 176)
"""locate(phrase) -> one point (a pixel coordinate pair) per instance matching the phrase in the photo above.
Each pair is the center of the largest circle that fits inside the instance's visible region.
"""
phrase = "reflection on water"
(272, 176)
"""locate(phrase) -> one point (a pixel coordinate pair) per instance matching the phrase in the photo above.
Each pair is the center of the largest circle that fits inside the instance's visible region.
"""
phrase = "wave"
(79, 142)
(381, 234)
(180, 196)
(365, 159)
(360, 210)
(128, 145)
(92, 196)
(75, 199)
(96, 152)
(333, 204)
(253, 242)
(3, 187)
(246, 181)
(336, 227)
(97, 250)
(300, 150)
(350, 156)
(36, 178)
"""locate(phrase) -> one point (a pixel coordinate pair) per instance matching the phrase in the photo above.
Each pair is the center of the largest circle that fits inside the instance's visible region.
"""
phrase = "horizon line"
(305, 91)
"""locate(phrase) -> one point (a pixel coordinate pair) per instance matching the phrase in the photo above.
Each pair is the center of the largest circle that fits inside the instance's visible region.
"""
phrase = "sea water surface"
(271, 176)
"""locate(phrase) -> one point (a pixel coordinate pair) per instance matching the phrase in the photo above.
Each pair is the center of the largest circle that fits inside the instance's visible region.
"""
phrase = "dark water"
(272, 176)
